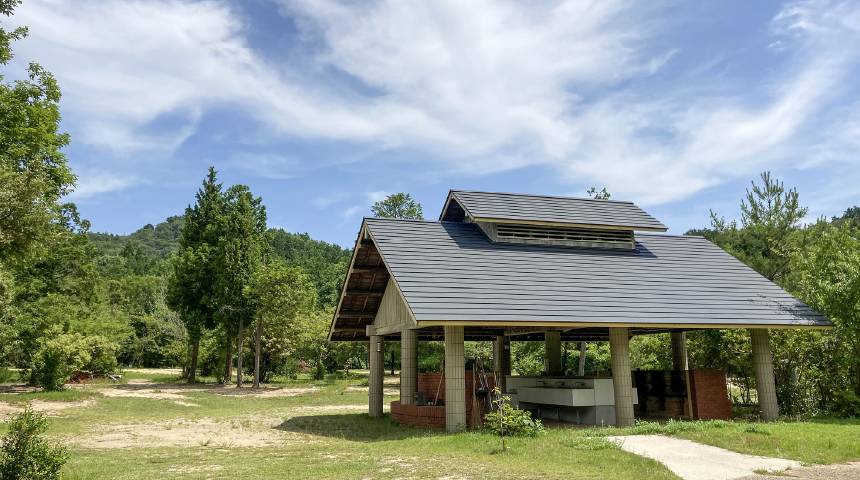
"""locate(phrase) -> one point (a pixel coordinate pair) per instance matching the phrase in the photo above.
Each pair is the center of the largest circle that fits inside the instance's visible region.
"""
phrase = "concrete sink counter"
(566, 396)
(584, 400)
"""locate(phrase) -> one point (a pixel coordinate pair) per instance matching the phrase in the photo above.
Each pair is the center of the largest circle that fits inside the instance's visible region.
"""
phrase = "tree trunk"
(319, 364)
(192, 370)
(239, 352)
(228, 365)
(392, 362)
(582, 350)
(257, 350)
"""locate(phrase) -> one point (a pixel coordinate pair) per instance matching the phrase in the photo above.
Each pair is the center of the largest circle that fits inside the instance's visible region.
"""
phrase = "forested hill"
(154, 242)
(142, 251)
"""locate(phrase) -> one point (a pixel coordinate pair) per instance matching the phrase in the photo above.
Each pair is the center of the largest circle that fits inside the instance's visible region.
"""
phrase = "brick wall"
(709, 395)
(431, 416)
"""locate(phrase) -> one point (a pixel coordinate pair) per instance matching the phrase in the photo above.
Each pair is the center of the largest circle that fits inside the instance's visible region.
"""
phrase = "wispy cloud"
(92, 183)
(479, 87)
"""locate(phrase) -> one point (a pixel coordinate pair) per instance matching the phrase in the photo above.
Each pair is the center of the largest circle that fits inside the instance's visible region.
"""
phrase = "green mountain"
(154, 242)
(140, 253)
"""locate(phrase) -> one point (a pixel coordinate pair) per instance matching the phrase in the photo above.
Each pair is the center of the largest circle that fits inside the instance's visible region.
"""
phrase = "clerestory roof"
(449, 273)
(542, 209)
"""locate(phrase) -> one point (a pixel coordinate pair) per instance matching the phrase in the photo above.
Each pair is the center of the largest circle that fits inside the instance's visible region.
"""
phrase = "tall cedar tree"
(192, 288)
(242, 244)
(280, 294)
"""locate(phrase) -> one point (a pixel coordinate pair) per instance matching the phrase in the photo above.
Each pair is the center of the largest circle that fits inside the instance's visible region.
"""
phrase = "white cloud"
(91, 183)
(370, 198)
(480, 86)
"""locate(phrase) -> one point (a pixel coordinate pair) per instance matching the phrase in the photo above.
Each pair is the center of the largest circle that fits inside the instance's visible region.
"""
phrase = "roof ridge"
(544, 196)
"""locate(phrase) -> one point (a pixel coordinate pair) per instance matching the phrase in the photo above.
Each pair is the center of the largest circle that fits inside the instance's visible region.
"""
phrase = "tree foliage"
(398, 205)
(280, 294)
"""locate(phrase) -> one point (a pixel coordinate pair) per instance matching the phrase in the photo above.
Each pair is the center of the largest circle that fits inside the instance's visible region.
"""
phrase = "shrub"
(24, 454)
(102, 354)
(61, 354)
(514, 422)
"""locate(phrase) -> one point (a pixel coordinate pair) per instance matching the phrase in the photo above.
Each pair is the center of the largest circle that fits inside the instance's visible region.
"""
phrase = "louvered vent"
(554, 235)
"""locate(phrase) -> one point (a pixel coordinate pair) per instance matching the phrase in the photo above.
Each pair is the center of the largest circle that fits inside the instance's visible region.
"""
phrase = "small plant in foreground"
(24, 454)
(511, 422)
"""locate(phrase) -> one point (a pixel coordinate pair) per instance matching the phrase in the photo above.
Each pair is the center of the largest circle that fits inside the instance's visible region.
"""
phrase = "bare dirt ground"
(145, 389)
(50, 409)
(205, 432)
(840, 471)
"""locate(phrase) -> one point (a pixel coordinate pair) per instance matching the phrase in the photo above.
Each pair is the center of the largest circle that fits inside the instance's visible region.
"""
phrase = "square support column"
(408, 366)
(622, 380)
(552, 338)
(502, 360)
(679, 350)
(455, 379)
(377, 366)
(764, 381)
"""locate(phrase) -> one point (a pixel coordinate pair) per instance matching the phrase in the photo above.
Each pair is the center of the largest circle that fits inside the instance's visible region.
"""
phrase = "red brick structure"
(434, 416)
(709, 395)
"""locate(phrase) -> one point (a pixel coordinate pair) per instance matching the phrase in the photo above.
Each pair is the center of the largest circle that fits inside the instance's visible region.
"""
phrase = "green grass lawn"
(319, 429)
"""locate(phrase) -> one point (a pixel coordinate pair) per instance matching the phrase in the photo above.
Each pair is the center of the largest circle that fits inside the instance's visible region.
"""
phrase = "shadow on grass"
(357, 427)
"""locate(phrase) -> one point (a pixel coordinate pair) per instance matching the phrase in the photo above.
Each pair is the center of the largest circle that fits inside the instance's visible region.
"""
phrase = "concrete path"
(694, 461)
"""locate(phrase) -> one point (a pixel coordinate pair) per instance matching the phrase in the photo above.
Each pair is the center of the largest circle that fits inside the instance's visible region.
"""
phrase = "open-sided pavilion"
(512, 267)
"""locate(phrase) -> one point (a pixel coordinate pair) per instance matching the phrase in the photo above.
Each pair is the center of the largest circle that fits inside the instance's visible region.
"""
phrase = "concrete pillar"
(582, 351)
(622, 380)
(679, 350)
(502, 360)
(377, 371)
(552, 338)
(455, 379)
(408, 366)
(764, 381)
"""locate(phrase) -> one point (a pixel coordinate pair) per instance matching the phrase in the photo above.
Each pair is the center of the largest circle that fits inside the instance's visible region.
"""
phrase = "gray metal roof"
(450, 271)
(542, 208)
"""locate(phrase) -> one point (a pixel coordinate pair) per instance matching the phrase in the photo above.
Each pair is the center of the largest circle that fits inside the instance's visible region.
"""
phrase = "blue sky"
(323, 107)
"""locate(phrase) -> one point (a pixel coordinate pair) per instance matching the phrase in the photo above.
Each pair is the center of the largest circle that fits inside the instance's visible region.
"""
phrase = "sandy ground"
(144, 389)
(841, 471)
(199, 433)
(50, 409)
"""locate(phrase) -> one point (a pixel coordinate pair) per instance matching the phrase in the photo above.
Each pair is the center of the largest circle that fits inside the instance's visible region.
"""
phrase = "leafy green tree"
(280, 294)
(851, 217)
(828, 274)
(191, 291)
(311, 332)
(34, 174)
(398, 205)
